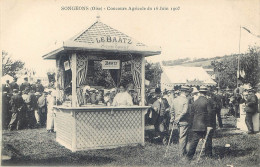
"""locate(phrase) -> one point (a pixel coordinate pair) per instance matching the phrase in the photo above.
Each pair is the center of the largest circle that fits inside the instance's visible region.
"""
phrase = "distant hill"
(202, 62)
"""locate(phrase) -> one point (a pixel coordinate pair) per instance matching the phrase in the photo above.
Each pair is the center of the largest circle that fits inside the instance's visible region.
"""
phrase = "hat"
(92, 89)
(37, 93)
(54, 94)
(203, 89)
(195, 90)
(158, 90)
(251, 89)
(131, 90)
(113, 89)
(176, 92)
(152, 91)
(15, 90)
(184, 88)
(86, 88)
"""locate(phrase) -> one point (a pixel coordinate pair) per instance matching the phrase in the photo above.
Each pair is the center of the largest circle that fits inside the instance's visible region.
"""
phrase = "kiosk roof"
(101, 37)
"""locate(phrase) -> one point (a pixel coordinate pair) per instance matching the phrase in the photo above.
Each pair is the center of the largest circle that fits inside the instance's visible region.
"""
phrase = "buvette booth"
(99, 58)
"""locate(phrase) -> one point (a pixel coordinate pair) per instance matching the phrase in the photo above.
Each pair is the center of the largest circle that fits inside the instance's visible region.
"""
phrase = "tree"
(10, 66)
(250, 64)
(153, 73)
(226, 68)
(225, 72)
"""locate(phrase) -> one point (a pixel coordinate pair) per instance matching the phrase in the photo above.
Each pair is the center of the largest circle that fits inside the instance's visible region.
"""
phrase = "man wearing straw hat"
(17, 104)
(180, 116)
(202, 123)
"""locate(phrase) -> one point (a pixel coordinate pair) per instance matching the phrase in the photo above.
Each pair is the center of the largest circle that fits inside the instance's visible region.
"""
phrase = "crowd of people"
(27, 106)
(194, 112)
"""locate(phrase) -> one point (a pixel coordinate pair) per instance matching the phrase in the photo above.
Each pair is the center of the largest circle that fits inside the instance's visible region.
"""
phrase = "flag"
(242, 73)
(258, 36)
(247, 29)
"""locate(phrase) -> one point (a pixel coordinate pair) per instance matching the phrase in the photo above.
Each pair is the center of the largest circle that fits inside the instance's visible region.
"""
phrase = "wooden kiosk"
(83, 126)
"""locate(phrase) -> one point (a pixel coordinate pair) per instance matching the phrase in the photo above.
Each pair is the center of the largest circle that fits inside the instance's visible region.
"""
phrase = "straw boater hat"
(152, 91)
(92, 89)
(203, 89)
(185, 88)
(195, 90)
(37, 93)
(15, 90)
(113, 89)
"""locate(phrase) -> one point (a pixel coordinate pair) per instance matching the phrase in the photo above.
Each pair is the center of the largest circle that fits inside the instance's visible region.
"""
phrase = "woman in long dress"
(51, 101)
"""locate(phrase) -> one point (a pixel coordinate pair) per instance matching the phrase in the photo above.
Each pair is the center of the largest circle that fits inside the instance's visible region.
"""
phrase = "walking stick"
(169, 141)
(204, 144)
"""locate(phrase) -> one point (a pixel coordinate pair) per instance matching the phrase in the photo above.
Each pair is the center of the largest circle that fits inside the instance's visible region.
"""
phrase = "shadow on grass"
(151, 137)
(65, 160)
(223, 152)
(221, 135)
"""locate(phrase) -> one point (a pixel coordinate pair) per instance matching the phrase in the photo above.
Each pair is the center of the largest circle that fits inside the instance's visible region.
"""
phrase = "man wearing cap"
(14, 85)
(25, 84)
(93, 96)
(37, 87)
(17, 104)
(32, 105)
(180, 116)
(41, 113)
(112, 95)
(161, 117)
(251, 107)
(201, 120)
(6, 87)
(6, 115)
(150, 100)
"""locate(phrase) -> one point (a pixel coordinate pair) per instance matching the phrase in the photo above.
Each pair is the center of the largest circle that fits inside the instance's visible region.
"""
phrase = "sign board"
(66, 65)
(110, 64)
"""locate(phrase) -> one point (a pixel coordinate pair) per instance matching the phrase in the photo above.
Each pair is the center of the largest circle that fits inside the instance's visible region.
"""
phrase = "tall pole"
(238, 58)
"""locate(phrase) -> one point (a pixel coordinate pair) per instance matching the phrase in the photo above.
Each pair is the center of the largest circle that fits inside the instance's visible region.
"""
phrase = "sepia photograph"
(130, 83)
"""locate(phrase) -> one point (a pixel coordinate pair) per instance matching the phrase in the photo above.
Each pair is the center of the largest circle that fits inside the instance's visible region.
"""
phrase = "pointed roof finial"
(98, 17)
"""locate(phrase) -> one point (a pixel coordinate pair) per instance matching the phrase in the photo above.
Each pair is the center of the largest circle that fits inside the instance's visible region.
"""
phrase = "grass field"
(37, 147)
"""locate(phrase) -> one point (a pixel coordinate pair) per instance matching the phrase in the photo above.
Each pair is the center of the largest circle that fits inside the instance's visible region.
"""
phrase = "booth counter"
(99, 127)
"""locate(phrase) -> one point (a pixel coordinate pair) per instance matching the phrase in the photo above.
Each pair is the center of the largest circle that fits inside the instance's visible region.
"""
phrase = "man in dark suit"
(17, 104)
(217, 105)
(251, 108)
(38, 86)
(202, 121)
(161, 116)
(25, 84)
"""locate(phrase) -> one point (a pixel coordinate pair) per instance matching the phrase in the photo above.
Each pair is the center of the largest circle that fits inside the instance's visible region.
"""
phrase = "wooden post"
(143, 80)
(74, 77)
(57, 79)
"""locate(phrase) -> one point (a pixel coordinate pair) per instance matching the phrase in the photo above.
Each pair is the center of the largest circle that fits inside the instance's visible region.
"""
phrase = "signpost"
(110, 64)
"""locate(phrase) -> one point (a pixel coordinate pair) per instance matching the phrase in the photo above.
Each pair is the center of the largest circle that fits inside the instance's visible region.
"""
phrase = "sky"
(198, 29)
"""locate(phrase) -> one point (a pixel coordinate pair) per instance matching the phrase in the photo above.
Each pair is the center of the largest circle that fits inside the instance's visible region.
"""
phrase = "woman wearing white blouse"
(123, 98)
